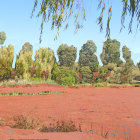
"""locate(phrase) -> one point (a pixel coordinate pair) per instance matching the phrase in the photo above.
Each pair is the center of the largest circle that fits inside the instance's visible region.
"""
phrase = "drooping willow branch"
(59, 11)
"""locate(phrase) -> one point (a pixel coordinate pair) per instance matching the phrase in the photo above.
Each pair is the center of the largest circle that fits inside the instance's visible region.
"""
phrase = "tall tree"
(6, 60)
(111, 52)
(44, 61)
(67, 55)
(87, 56)
(59, 11)
(24, 61)
(127, 56)
(2, 37)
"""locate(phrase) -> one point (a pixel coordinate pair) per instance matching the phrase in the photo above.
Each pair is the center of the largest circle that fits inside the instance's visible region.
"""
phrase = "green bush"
(86, 74)
(67, 81)
(98, 85)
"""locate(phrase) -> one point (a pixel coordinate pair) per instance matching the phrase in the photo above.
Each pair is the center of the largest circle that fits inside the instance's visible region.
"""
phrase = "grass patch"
(26, 82)
(22, 93)
(26, 122)
(1, 121)
(61, 126)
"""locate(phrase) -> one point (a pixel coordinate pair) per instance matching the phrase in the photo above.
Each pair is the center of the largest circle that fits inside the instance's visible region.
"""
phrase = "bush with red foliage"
(45, 74)
(58, 79)
(13, 74)
(79, 77)
(33, 71)
(95, 76)
(124, 79)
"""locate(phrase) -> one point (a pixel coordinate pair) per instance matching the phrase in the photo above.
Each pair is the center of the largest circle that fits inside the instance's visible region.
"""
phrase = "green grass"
(32, 81)
(22, 93)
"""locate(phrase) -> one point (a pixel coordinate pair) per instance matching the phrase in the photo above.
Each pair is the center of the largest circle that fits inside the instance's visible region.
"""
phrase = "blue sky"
(20, 28)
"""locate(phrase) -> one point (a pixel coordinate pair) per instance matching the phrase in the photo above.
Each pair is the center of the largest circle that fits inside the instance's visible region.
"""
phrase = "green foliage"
(110, 66)
(27, 47)
(127, 56)
(87, 56)
(6, 60)
(55, 71)
(100, 84)
(44, 60)
(116, 76)
(67, 81)
(66, 55)
(86, 74)
(24, 62)
(111, 52)
(65, 75)
(138, 65)
(2, 37)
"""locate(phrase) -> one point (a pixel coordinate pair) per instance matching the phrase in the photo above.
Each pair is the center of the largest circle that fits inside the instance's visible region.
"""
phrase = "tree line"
(66, 71)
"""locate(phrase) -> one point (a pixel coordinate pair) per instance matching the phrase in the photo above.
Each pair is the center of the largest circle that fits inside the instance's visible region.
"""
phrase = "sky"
(15, 21)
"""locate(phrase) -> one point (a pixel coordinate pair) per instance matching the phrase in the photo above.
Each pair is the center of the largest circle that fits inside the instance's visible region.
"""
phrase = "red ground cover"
(99, 110)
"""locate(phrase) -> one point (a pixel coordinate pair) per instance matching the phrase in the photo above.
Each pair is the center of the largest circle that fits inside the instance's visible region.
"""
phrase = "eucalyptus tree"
(67, 55)
(44, 61)
(127, 56)
(111, 52)
(87, 56)
(6, 61)
(2, 37)
(24, 61)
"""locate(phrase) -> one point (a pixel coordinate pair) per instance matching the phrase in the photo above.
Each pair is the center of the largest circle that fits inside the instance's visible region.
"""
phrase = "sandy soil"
(115, 111)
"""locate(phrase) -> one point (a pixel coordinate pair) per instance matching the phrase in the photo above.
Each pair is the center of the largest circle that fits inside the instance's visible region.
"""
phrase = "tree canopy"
(59, 11)
(2, 37)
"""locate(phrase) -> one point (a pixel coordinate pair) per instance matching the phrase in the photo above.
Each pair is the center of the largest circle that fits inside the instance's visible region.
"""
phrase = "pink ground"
(98, 110)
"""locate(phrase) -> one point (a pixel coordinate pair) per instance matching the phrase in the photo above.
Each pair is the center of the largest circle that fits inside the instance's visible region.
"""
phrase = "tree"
(44, 60)
(2, 37)
(87, 56)
(24, 62)
(59, 11)
(111, 52)
(138, 65)
(27, 47)
(6, 60)
(127, 56)
(66, 55)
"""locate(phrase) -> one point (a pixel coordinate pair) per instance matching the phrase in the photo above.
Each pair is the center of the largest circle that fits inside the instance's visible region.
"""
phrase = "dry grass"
(61, 126)
(26, 122)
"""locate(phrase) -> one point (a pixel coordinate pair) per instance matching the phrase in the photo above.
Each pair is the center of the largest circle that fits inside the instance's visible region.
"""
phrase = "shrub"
(95, 76)
(45, 74)
(13, 74)
(64, 75)
(86, 74)
(25, 122)
(61, 126)
(79, 77)
(33, 72)
(67, 81)
(98, 85)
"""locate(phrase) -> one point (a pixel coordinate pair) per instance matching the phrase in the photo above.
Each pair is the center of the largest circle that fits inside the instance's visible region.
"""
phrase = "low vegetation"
(26, 122)
(22, 93)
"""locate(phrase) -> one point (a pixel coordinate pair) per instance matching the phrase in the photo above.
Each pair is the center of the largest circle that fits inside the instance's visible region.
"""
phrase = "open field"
(102, 112)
